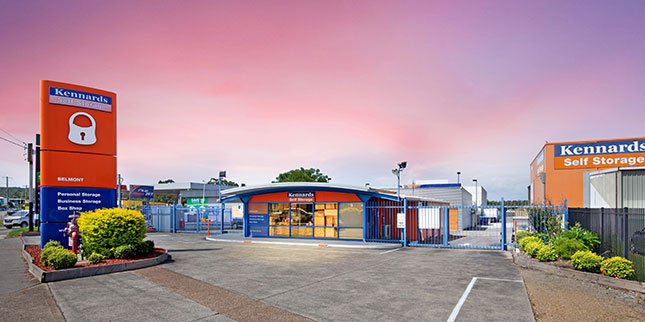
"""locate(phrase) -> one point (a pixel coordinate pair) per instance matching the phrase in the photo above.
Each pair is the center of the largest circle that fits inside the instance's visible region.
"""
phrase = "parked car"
(237, 223)
(20, 218)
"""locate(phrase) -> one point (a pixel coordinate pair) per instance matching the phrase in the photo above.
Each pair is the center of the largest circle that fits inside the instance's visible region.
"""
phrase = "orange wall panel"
(69, 169)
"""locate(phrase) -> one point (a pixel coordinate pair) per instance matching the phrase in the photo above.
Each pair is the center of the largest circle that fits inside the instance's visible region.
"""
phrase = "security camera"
(403, 164)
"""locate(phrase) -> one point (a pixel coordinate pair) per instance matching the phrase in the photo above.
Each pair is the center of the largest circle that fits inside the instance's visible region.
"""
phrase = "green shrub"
(547, 254)
(62, 258)
(589, 239)
(145, 248)
(52, 243)
(524, 241)
(103, 230)
(522, 234)
(126, 251)
(566, 247)
(585, 260)
(617, 267)
(95, 258)
(534, 247)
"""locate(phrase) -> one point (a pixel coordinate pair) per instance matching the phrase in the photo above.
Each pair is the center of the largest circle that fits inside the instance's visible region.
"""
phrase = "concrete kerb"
(526, 261)
(313, 244)
(79, 272)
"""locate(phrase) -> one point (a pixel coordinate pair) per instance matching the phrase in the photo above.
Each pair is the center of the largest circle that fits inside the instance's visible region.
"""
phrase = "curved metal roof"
(361, 192)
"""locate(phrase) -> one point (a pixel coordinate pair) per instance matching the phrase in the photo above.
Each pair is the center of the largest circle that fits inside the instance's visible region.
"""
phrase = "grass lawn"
(16, 231)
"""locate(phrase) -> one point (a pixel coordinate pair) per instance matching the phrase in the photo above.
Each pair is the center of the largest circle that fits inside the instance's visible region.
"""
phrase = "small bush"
(46, 252)
(103, 230)
(145, 248)
(522, 234)
(547, 254)
(52, 243)
(566, 247)
(62, 258)
(95, 258)
(524, 241)
(617, 267)
(586, 237)
(534, 247)
(586, 261)
(125, 251)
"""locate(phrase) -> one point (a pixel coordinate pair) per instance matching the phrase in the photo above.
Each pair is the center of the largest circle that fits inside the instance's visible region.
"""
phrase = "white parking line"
(457, 308)
(389, 251)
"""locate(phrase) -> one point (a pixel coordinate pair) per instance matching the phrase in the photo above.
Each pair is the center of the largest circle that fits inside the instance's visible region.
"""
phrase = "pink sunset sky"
(351, 87)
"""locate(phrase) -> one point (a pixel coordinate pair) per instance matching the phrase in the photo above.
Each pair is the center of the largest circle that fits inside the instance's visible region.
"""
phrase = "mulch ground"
(34, 251)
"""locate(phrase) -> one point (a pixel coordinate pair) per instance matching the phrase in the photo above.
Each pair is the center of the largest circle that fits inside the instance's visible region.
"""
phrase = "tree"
(166, 181)
(224, 182)
(302, 175)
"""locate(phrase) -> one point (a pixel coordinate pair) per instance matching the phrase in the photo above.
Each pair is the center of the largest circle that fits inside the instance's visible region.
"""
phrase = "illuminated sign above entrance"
(301, 196)
(608, 154)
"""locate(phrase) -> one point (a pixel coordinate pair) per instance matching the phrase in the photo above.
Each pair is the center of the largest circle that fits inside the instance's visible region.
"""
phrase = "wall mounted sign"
(609, 154)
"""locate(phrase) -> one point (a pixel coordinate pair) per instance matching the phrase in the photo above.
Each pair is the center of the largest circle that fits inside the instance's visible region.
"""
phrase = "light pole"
(476, 197)
(458, 173)
(222, 174)
(397, 173)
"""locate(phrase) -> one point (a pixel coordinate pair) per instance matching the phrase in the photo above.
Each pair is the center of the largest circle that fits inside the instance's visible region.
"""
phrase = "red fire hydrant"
(72, 231)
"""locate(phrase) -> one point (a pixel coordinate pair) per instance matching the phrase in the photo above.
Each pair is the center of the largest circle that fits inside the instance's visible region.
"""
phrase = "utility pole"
(7, 192)
(30, 159)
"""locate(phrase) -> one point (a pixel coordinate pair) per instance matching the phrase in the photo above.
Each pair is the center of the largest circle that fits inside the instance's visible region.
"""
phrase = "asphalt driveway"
(215, 281)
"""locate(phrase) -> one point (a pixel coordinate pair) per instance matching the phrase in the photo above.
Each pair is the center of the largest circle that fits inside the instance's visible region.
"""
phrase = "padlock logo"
(82, 135)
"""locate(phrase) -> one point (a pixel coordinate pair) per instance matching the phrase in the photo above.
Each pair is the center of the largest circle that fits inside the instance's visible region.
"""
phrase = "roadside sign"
(400, 220)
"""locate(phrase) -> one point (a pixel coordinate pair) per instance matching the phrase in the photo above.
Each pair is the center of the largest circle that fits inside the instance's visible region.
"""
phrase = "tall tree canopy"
(224, 182)
(302, 175)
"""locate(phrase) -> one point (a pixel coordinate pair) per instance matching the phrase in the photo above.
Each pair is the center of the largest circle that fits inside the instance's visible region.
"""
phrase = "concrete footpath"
(22, 298)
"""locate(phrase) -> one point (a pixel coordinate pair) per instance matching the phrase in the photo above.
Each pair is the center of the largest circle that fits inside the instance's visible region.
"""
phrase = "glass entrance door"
(301, 219)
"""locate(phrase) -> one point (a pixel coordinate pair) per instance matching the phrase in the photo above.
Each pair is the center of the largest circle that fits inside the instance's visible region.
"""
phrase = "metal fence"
(189, 220)
(621, 232)
(480, 227)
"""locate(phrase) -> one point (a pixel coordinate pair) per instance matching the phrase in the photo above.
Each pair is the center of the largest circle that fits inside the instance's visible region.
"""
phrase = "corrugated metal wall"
(602, 191)
(455, 196)
(633, 189)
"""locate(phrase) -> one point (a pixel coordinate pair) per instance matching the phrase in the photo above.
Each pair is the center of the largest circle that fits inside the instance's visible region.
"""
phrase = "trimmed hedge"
(585, 260)
(103, 230)
(617, 267)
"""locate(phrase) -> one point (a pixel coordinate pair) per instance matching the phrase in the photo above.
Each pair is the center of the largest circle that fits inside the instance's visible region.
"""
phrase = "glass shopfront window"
(326, 220)
(279, 219)
(318, 220)
(350, 217)
(301, 219)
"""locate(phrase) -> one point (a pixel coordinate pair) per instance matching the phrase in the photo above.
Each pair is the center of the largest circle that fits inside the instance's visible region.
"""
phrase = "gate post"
(446, 226)
(405, 223)
(503, 214)
(173, 224)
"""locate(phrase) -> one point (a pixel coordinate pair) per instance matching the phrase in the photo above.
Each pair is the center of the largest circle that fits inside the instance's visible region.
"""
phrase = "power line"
(12, 142)
(23, 142)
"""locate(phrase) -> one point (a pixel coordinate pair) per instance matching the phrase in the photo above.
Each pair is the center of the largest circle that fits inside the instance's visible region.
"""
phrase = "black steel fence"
(621, 232)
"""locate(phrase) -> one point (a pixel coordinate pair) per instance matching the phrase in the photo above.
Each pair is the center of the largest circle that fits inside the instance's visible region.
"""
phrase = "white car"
(20, 218)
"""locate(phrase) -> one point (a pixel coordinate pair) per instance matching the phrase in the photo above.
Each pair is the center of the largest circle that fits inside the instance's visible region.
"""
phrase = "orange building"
(559, 169)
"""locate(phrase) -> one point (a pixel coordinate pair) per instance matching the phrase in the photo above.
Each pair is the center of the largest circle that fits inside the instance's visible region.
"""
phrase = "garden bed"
(565, 269)
(48, 274)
